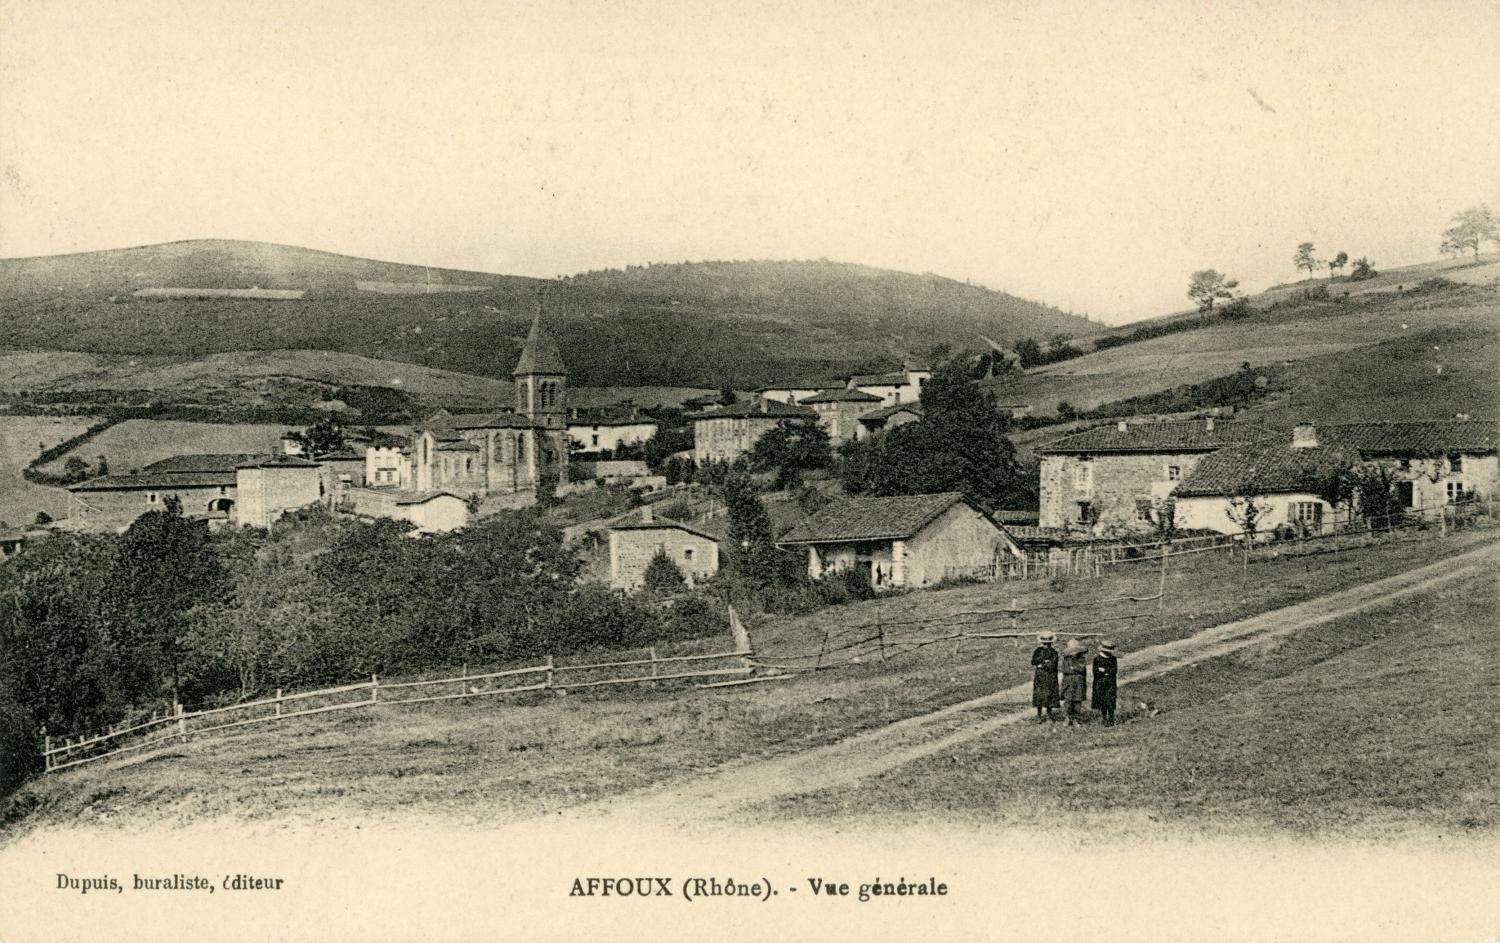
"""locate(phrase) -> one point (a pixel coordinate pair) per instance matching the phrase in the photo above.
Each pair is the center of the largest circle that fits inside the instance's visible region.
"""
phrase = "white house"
(892, 388)
(604, 431)
(907, 540)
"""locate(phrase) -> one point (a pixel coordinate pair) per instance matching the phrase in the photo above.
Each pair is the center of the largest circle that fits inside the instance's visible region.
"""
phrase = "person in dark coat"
(1075, 681)
(1044, 677)
(1105, 670)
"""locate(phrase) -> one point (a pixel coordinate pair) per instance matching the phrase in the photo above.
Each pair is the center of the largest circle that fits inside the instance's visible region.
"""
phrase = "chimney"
(1122, 425)
(1208, 424)
(1304, 436)
(765, 405)
(646, 515)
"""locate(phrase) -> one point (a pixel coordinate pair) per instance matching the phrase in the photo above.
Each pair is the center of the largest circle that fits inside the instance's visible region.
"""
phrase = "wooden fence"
(722, 668)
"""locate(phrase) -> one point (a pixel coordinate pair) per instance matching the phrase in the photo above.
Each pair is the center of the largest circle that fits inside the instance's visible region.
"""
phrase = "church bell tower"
(541, 381)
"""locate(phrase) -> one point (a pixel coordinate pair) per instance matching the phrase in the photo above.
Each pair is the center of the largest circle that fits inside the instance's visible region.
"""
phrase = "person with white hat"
(1075, 681)
(1106, 668)
(1044, 677)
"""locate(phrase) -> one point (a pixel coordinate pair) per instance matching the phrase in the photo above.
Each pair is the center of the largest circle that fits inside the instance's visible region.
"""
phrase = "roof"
(763, 409)
(864, 518)
(461, 445)
(664, 524)
(1264, 468)
(1433, 437)
(157, 482)
(420, 497)
(539, 354)
(1186, 436)
(808, 385)
(886, 412)
(278, 461)
(218, 462)
(446, 426)
(841, 396)
(878, 379)
(1018, 517)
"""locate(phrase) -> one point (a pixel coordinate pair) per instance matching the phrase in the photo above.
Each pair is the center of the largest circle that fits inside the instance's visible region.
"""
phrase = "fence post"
(463, 679)
(653, 661)
(822, 651)
(278, 702)
(374, 689)
(46, 749)
(1161, 583)
(549, 671)
(181, 720)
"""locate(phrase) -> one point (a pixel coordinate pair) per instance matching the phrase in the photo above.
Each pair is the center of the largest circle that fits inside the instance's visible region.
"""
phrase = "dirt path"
(894, 745)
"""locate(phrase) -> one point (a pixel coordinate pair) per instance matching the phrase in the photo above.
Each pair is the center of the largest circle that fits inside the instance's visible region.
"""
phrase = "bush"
(662, 575)
(18, 746)
(1237, 310)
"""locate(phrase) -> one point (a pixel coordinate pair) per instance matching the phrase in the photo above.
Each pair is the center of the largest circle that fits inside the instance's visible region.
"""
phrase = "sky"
(1088, 155)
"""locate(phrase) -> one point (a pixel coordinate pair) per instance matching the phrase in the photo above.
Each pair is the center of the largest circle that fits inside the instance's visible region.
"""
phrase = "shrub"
(662, 575)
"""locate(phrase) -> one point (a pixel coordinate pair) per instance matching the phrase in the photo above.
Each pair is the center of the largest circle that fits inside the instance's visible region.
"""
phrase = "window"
(1085, 512)
(1174, 472)
(1406, 494)
(1405, 464)
(1455, 462)
(1083, 476)
(152, 497)
(1307, 512)
(594, 440)
(1455, 492)
(521, 448)
(687, 554)
(1143, 509)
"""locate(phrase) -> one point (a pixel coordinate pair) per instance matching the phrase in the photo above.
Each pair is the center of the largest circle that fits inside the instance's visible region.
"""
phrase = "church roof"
(540, 353)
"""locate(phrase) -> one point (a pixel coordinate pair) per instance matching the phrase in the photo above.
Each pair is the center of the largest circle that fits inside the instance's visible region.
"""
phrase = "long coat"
(1105, 670)
(1075, 680)
(1044, 677)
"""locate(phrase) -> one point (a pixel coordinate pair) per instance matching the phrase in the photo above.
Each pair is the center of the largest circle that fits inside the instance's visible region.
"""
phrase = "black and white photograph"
(650, 470)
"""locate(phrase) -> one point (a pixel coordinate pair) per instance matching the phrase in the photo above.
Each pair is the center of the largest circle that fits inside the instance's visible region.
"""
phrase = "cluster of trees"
(1470, 229)
(94, 628)
(1305, 259)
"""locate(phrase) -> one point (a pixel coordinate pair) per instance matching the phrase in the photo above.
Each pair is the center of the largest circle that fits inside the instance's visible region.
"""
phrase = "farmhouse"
(632, 546)
(892, 388)
(797, 391)
(839, 412)
(387, 467)
(1434, 462)
(887, 417)
(209, 487)
(605, 431)
(726, 433)
(1120, 476)
(908, 540)
(506, 453)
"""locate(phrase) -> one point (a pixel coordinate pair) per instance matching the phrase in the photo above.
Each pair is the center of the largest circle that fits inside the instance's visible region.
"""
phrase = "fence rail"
(67, 752)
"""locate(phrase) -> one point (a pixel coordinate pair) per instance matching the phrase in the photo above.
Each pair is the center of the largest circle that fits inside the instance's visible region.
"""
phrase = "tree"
(1304, 259)
(1247, 509)
(1337, 263)
(752, 546)
(1066, 411)
(102, 468)
(1363, 269)
(791, 447)
(42, 519)
(662, 575)
(324, 437)
(727, 396)
(1029, 352)
(1207, 285)
(75, 469)
(1470, 229)
(959, 444)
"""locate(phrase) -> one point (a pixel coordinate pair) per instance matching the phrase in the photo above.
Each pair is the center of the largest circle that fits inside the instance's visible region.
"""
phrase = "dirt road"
(885, 748)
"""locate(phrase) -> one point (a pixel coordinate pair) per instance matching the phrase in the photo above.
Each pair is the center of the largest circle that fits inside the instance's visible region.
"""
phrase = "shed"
(633, 545)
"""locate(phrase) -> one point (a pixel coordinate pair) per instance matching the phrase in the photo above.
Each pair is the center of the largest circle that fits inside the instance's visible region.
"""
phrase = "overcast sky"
(1086, 155)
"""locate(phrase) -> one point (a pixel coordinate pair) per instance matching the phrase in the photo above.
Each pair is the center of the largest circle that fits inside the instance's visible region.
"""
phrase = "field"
(494, 762)
(136, 443)
(21, 439)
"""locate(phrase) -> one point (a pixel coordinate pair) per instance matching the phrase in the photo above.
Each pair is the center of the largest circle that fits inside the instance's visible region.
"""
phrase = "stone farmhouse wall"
(631, 551)
(1114, 485)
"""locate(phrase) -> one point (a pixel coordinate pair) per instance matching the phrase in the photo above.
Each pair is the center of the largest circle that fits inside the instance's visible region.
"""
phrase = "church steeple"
(540, 374)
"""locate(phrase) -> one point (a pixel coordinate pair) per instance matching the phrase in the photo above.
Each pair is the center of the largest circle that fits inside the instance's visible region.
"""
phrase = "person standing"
(1106, 667)
(1044, 677)
(1075, 682)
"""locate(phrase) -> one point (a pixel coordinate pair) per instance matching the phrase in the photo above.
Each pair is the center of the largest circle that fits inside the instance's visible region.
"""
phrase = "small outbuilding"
(633, 545)
(906, 540)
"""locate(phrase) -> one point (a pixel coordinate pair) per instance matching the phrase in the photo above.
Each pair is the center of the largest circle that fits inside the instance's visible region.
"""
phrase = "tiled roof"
(155, 482)
(1017, 517)
(442, 423)
(278, 461)
(809, 385)
(1187, 436)
(764, 409)
(1474, 436)
(841, 396)
(886, 412)
(859, 519)
(664, 524)
(461, 445)
(220, 462)
(878, 379)
(1263, 468)
(404, 498)
(540, 353)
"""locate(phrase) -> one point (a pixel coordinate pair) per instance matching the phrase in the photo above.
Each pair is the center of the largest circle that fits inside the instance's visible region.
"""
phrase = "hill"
(707, 324)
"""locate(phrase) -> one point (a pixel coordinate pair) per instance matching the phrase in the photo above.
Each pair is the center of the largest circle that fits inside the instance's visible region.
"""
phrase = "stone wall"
(1115, 484)
(631, 551)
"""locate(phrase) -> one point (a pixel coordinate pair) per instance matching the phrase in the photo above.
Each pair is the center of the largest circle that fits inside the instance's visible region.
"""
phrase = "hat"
(1047, 637)
(1106, 646)
(1074, 646)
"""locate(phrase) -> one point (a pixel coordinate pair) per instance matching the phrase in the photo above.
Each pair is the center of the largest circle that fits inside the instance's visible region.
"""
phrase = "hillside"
(708, 324)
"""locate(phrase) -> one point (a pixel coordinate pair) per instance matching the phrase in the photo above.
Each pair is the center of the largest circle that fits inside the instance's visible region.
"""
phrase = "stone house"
(726, 433)
(269, 487)
(1433, 462)
(632, 546)
(213, 488)
(908, 540)
(604, 431)
(797, 391)
(503, 452)
(342, 471)
(877, 421)
(892, 388)
(1119, 476)
(839, 412)
(387, 467)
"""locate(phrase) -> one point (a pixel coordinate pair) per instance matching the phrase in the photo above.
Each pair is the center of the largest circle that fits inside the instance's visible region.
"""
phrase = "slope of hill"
(711, 324)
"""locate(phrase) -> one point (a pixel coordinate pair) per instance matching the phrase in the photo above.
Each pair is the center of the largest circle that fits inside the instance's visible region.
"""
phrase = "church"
(509, 452)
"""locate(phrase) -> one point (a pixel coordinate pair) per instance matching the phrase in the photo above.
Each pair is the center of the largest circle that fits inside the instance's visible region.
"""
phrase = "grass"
(1369, 725)
(22, 438)
(496, 761)
(136, 443)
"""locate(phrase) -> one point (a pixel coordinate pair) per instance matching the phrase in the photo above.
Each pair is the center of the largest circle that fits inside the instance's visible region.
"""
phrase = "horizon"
(1089, 158)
